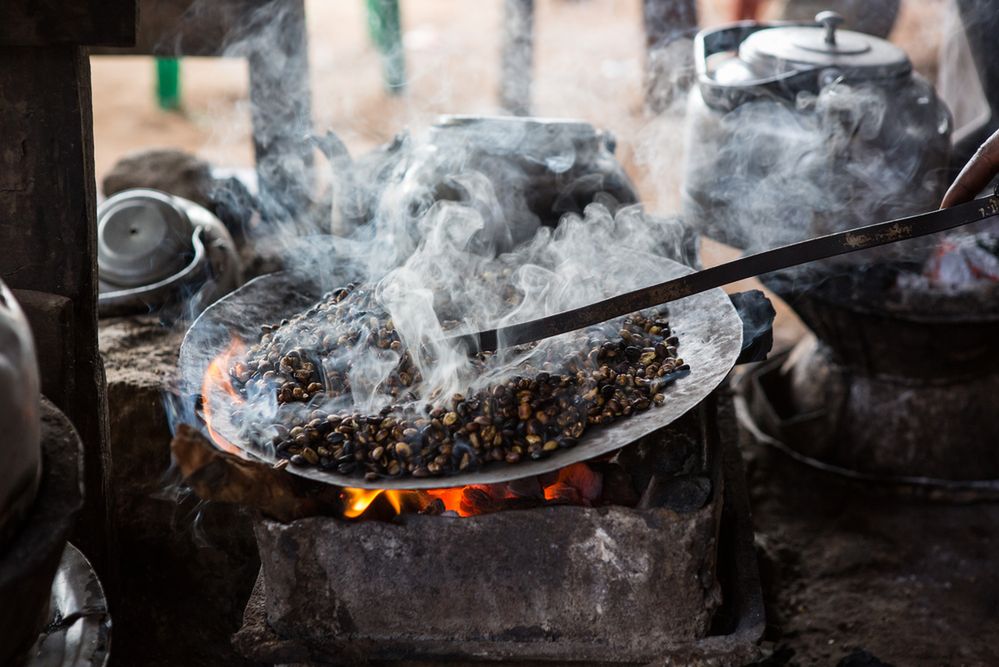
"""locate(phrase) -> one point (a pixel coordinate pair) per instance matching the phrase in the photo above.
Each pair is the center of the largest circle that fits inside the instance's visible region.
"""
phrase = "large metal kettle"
(795, 130)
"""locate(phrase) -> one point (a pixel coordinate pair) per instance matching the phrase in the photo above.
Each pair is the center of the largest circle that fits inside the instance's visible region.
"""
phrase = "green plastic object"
(168, 83)
(385, 27)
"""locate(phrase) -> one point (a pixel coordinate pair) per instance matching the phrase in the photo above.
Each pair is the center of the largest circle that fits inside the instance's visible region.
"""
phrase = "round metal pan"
(707, 325)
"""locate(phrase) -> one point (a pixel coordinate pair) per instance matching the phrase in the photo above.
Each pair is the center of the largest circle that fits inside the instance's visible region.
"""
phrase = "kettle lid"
(857, 55)
(143, 236)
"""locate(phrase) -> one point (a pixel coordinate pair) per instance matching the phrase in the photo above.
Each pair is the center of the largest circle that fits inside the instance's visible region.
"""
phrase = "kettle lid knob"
(830, 20)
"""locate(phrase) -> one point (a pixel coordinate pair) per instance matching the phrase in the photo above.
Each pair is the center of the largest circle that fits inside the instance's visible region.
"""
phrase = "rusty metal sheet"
(707, 324)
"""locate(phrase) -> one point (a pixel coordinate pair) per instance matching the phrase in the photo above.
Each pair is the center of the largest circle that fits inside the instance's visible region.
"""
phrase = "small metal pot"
(155, 249)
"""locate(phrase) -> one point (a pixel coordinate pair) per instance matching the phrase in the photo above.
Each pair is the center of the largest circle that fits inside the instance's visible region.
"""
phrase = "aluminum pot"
(20, 448)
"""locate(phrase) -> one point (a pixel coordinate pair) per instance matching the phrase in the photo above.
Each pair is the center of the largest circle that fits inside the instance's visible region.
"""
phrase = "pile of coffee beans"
(594, 377)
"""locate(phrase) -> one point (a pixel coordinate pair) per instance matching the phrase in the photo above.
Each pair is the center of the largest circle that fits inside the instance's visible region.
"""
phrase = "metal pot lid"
(557, 143)
(143, 237)
(857, 55)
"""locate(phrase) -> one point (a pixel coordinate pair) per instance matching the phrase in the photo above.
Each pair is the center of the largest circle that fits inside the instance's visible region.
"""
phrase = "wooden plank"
(48, 233)
(517, 57)
(669, 65)
(69, 22)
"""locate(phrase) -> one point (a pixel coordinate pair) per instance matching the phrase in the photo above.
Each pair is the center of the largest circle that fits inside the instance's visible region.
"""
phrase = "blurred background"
(589, 63)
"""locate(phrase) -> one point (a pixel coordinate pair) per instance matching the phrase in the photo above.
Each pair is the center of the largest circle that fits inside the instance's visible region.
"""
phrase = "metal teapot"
(795, 130)
(155, 249)
(521, 172)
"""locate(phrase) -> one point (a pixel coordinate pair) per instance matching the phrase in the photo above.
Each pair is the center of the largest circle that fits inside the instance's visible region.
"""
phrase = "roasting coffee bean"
(616, 370)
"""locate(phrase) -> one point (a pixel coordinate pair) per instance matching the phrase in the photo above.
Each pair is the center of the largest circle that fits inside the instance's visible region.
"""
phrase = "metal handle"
(830, 20)
(725, 97)
(748, 266)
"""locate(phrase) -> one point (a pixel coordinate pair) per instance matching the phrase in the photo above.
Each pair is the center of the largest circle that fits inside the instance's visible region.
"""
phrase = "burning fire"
(577, 484)
(217, 381)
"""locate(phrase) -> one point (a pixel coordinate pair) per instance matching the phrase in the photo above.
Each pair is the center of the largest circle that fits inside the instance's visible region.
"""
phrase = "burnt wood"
(48, 234)
(48, 22)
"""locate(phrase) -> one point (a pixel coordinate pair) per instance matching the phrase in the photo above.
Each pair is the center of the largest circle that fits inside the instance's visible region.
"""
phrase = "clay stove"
(658, 566)
(630, 544)
(641, 554)
(671, 576)
(899, 380)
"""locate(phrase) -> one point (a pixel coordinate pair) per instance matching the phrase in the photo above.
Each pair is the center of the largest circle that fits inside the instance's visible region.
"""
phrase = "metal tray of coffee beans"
(494, 436)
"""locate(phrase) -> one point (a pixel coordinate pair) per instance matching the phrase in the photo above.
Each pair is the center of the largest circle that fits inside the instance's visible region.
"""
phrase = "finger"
(981, 168)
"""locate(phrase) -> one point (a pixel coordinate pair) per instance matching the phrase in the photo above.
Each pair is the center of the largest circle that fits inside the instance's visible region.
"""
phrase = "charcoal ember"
(309, 364)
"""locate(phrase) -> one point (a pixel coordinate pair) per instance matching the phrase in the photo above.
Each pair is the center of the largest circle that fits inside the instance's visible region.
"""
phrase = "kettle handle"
(730, 95)
(108, 303)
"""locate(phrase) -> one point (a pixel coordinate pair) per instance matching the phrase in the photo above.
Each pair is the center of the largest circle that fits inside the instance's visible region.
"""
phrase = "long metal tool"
(750, 266)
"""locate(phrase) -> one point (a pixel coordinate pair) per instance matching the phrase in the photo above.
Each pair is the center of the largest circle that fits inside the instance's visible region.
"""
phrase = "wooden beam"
(48, 233)
(67, 22)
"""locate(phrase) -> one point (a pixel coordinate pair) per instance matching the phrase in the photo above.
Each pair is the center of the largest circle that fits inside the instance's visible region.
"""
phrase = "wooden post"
(281, 109)
(668, 64)
(517, 57)
(47, 217)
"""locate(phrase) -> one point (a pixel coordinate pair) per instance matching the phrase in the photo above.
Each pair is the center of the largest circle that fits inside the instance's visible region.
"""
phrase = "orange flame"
(576, 484)
(357, 501)
(217, 381)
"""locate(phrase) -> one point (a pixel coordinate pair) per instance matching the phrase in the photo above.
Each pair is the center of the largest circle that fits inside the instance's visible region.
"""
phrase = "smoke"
(461, 235)
(451, 228)
(770, 173)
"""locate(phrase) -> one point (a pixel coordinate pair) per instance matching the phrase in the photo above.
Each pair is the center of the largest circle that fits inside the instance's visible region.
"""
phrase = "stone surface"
(539, 583)
(186, 568)
(732, 640)
(169, 170)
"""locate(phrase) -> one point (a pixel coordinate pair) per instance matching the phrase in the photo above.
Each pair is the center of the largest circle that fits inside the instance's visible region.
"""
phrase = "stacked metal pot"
(40, 490)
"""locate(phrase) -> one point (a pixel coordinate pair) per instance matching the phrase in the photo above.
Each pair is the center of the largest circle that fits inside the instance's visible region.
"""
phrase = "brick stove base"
(185, 568)
(595, 586)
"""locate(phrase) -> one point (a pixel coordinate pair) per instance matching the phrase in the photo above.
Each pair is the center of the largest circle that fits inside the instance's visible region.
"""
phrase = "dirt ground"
(860, 577)
(851, 575)
(589, 57)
